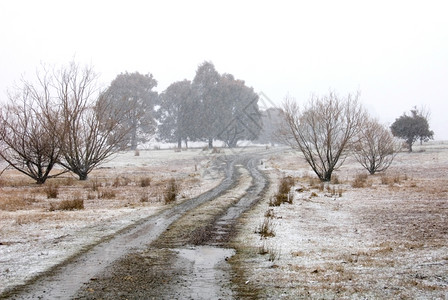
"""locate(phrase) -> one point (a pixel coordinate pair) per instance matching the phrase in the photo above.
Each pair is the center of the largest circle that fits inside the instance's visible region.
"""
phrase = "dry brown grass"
(266, 228)
(171, 191)
(145, 181)
(73, 204)
(106, 193)
(51, 190)
(284, 194)
(386, 239)
(360, 181)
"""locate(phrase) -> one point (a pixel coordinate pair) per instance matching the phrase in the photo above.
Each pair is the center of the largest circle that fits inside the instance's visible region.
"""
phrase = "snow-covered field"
(35, 235)
(387, 239)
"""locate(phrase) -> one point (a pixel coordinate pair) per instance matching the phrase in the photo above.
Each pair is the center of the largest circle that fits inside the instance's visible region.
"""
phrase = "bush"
(171, 191)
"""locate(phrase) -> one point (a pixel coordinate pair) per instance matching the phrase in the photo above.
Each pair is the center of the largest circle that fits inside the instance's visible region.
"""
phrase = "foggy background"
(394, 52)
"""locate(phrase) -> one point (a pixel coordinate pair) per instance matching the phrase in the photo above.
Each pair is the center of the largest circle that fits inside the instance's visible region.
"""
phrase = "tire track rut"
(127, 266)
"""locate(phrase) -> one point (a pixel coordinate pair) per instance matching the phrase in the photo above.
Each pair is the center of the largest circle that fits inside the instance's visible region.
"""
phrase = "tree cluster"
(63, 118)
(329, 128)
(211, 106)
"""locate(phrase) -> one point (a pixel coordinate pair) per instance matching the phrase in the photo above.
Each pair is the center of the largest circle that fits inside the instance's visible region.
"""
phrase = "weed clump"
(284, 194)
(145, 182)
(106, 194)
(52, 191)
(359, 181)
(266, 228)
(74, 204)
(171, 191)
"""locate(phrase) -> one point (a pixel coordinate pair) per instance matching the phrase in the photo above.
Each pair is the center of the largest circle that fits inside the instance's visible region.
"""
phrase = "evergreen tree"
(412, 128)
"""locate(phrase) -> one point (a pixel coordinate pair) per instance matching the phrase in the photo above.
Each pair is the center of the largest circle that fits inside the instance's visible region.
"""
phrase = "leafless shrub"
(375, 148)
(323, 130)
(28, 143)
(89, 129)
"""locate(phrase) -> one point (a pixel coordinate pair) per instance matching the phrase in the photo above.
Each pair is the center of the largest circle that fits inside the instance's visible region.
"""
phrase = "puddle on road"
(208, 273)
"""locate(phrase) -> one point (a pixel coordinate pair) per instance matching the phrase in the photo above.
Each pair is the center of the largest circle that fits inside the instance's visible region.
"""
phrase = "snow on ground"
(34, 237)
(385, 240)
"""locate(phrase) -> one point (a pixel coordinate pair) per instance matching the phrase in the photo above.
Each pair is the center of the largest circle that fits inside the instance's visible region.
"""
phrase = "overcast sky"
(394, 52)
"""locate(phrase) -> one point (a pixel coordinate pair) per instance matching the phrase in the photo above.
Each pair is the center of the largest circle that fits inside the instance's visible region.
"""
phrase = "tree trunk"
(179, 143)
(210, 143)
(134, 138)
(326, 177)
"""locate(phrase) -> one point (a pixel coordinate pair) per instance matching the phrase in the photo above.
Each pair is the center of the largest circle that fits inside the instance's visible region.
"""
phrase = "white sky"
(394, 52)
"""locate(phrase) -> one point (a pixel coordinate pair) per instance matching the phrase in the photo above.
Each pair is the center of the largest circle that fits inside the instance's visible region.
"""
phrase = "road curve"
(64, 281)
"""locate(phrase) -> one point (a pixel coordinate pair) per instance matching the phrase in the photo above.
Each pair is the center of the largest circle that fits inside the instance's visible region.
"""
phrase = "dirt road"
(179, 253)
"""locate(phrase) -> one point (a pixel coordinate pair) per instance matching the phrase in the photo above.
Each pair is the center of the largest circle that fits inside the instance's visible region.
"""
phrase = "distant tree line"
(63, 118)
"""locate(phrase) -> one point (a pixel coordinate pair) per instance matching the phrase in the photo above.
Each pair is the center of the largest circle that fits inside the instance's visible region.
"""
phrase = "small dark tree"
(375, 148)
(412, 128)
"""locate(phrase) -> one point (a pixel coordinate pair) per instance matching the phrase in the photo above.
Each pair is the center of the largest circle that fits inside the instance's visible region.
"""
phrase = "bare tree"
(323, 129)
(27, 144)
(90, 131)
(375, 148)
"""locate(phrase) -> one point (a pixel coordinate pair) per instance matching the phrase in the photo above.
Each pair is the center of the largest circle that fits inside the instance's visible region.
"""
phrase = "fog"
(394, 53)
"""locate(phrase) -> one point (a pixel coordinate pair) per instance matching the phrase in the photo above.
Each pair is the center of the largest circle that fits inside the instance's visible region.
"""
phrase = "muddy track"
(139, 263)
